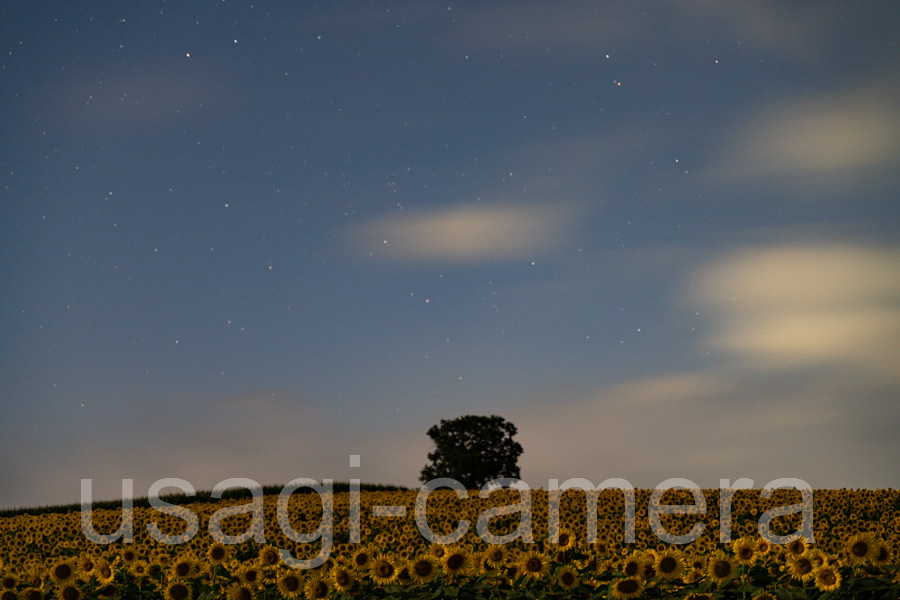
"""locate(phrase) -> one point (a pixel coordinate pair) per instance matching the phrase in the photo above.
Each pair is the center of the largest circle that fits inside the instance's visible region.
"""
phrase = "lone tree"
(473, 450)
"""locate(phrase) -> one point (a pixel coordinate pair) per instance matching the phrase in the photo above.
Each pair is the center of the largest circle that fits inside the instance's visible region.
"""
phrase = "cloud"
(815, 141)
(793, 306)
(470, 233)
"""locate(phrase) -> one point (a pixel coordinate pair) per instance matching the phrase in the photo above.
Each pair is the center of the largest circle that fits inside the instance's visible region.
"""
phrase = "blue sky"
(240, 240)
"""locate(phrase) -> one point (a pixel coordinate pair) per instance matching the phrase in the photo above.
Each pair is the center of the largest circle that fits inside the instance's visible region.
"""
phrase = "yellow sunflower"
(422, 569)
(496, 554)
(290, 584)
(68, 592)
(269, 555)
(218, 553)
(63, 572)
(535, 565)
(744, 550)
(827, 579)
(670, 564)
(32, 593)
(178, 590)
(456, 561)
(362, 559)
(250, 575)
(237, 591)
(630, 587)
(862, 548)
(566, 539)
(184, 568)
(801, 567)
(383, 571)
(103, 572)
(317, 588)
(567, 578)
(342, 578)
(720, 568)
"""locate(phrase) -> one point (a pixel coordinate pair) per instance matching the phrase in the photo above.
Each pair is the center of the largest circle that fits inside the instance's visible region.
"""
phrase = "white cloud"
(791, 306)
(466, 234)
(815, 141)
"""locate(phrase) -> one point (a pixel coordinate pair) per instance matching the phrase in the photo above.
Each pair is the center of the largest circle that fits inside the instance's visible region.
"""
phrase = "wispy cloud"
(471, 233)
(792, 306)
(815, 141)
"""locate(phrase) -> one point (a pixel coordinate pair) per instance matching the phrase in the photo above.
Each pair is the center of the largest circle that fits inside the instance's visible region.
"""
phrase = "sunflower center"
(423, 568)
(105, 572)
(342, 578)
(629, 586)
(251, 575)
(63, 571)
(667, 565)
(9, 595)
(270, 557)
(33, 595)
(362, 558)
(291, 583)
(182, 569)
(563, 539)
(860, 548)
(804, 566)
(534, 565)
(722, 568)
(568, 578)
(217, 553)
(455, 562)
(71, 593)
(320, 589)
(179, 592)
(828, 578)
(496, 555)
(8, 583)
(385, 570)
(746, 552)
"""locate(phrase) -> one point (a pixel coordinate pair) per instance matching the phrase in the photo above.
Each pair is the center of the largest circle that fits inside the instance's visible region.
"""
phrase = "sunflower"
(63, 572)
(129, 556)
(883, 557)
(8, 594)
(105, 593)
(456, 561)
(861, 548)
(633, 565)
(422, 569)
(827, 579)
(103, 572)
(566, 539)
(290, 584)
(342, 578)
(383, 571)
(744, 551)
(362, 559)
(218, 553)
(177, 590)
(269, 555)
(238, 591)
(496, 554)
(630, 587)
(85, 567)
(567, 578)
(317, 588)
(693, 576)
(801, 567)
(32, 593)
(796, 547)
(184, 568)
(720, 567)
(68, 592)
(670, 564)
(534, 564)
(250, 575)
(8, 581)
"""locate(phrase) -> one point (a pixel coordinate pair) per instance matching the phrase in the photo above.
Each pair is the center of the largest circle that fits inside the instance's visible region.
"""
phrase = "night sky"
(244, 240)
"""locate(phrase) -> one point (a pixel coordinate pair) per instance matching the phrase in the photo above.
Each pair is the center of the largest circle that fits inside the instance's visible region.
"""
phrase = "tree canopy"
(473, 450)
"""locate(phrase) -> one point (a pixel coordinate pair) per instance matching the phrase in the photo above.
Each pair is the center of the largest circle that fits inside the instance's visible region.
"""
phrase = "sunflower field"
(855, 555)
